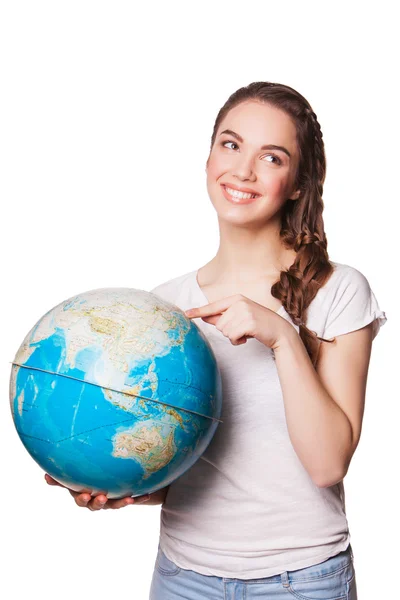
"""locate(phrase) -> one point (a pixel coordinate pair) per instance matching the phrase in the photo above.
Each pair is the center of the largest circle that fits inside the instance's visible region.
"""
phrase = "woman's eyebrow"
(266, 147)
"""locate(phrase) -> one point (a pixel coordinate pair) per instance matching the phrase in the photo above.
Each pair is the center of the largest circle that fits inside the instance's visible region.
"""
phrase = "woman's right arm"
(158, 497)
(101, 501)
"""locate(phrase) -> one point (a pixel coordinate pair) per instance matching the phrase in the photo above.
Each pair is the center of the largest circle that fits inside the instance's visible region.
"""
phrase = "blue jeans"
(333, 579)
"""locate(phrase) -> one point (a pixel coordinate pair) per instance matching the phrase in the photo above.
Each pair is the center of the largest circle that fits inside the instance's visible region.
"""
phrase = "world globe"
(115, 391)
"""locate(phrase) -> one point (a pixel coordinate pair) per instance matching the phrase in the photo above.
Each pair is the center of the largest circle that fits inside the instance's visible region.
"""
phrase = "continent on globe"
(146, 445)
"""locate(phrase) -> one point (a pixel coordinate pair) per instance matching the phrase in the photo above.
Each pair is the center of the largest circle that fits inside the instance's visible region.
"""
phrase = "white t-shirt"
(248, 508)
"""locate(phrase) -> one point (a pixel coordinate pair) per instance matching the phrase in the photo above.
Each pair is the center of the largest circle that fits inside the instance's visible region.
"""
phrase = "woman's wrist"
(157, 497)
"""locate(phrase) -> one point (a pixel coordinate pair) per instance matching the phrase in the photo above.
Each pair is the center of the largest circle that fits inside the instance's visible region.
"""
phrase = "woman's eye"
(234, 143)
(277, 159)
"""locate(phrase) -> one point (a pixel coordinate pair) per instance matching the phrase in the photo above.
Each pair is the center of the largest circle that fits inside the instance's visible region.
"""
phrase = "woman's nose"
(244, 168)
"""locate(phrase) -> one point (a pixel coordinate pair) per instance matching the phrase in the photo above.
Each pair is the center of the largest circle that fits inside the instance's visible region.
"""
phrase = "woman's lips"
(236, 200)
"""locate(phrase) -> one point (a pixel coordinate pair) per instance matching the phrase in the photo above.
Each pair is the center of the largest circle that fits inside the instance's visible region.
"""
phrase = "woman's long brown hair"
(302, 225)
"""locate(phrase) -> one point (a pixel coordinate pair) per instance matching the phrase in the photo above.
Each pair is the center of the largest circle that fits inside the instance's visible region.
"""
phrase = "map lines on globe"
(114, 390)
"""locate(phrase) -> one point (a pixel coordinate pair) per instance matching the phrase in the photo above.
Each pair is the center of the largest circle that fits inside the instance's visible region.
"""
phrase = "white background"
(107, 111)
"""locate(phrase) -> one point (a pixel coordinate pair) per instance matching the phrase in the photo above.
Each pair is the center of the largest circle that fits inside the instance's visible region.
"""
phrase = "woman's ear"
(295, 195)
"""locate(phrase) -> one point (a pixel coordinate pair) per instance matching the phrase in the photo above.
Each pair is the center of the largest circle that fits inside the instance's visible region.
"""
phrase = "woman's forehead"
(260, 123)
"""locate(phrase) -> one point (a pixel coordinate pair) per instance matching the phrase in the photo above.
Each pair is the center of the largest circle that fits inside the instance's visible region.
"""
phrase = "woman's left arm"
(324, 406)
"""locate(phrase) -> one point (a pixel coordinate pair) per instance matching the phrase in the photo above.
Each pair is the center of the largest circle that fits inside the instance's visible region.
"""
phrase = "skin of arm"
(324, 405)
(158, 497)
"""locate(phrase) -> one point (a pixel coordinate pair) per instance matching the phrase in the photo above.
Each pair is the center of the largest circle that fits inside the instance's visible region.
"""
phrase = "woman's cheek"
(276, 187)
(217, 167)
(217, 173)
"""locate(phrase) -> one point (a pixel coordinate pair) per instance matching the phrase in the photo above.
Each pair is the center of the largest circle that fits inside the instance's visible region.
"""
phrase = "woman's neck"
(246, 255)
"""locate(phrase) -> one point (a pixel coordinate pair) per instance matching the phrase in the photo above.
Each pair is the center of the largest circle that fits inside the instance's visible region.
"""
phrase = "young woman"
(262, 513)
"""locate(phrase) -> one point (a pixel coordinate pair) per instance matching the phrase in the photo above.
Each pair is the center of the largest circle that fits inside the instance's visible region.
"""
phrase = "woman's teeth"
(237, 194)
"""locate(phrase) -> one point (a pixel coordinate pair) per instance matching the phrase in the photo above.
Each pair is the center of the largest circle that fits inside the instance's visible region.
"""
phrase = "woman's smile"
(237, 197)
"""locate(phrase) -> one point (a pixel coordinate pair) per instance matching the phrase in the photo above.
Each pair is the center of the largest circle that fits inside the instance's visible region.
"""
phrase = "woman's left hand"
(239, 318)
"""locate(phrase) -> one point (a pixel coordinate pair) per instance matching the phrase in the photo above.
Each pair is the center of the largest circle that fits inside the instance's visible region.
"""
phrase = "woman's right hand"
(101, 501)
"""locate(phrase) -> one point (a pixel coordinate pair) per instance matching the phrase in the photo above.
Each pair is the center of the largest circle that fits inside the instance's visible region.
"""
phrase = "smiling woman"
(264, 504)
(282, 162)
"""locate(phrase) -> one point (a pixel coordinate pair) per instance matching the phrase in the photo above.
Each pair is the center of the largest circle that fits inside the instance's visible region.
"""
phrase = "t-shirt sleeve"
(353, 306)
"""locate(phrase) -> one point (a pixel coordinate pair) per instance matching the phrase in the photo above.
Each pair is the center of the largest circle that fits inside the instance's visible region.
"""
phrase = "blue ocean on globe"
(116, 391)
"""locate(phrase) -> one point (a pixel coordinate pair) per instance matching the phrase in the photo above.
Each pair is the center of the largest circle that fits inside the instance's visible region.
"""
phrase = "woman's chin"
(246, 215)
(241, 220)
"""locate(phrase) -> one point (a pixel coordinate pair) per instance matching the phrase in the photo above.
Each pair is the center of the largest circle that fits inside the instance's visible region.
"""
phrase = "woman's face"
(238, 161)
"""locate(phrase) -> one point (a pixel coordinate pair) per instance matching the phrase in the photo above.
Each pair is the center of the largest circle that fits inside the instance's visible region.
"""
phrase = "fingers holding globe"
(101, 501)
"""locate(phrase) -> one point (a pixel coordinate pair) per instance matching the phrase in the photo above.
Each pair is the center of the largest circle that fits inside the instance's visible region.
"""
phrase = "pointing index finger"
(214, 308)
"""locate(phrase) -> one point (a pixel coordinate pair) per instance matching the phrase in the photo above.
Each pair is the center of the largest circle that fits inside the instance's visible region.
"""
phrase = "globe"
(115, 391)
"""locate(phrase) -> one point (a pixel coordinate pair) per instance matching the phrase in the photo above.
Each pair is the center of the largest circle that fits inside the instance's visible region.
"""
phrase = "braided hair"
(302, 226)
